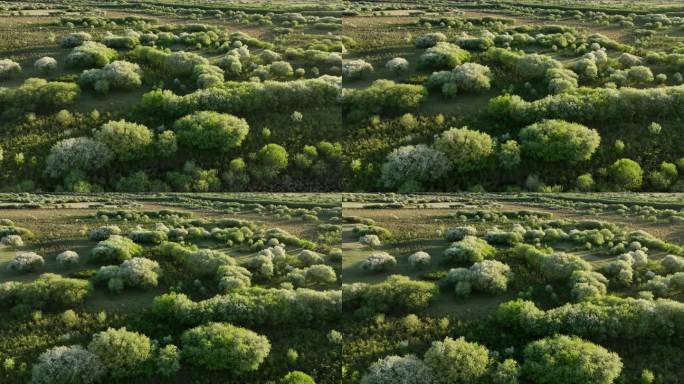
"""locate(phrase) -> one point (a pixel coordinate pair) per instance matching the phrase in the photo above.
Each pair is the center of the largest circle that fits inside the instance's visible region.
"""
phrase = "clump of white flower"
(356, 69)
(9, 68)
(79, 153)
(137, 272)
(26, 262)
(45, 65)
(430, 40)
(309, 258)
(378, 262)
(103, 233)
(67, 258)
(67, 365)
(12, 241)
(672, 264)
(413, 166)
(115, 75)
(489, 276)
(419, 259)
(74, 39)
(458, 233)
(407, 369)
(370, 240)
(397, 65)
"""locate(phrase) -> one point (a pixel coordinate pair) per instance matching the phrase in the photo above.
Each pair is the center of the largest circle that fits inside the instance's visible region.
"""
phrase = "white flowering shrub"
(458, 233)
(413, 167)
(488, 276)
(9, 68)
(45, 65)
(370, 240)
(26, 262)
(397, 65)
(627, 60)
(468, 250)
(208, 130)
(308, 258)
(117, 75)
(91, 54)
(12, 241)
(429, 40)
(67, 365)
(398, 369)
(378, 262)
(67, 258)
(74, 39)
(356, 69)
(115, 249)
(205, 262)
(103, 233)
(672, 264)
(468, 77)
(80, 153)
(560, 80)
(233, 277)
(419, 260)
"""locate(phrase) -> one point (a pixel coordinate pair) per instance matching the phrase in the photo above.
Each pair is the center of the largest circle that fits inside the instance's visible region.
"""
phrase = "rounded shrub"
(224, 346)
(410, 164)
(378, 262)
(9, 68)
(126, 140)
(569, 360)
(626, 174)
(123, 353)
(26, 262)
(213, 131)
(457, 361)
(45, 65)
(558, 140)
(407, 369)
(467, 150)
(67, 365)
(80, 153)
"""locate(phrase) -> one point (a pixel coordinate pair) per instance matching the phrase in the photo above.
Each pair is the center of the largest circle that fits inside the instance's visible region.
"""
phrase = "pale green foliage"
(126, 140)
(123, 353)
(569, 360)
(467, 150)
(207, 130)
(224, 346)
(558, 140)
(457, 361)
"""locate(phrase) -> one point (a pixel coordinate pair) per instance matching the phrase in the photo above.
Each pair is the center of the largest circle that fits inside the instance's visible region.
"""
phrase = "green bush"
(224, 346)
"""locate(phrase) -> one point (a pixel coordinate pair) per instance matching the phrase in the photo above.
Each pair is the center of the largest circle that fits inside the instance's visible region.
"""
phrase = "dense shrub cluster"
(468, 250)
(469, 77)
(117, 75)
(115, 249)
(224, 346)
(26, 262)
(252, 306)
(48, 291)
(378, 262)
(443, 56)
(137, 272)
(488, 276)
(79, 153)
(397, 294)
(37, 95)
(91, 54)
(557, 140)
